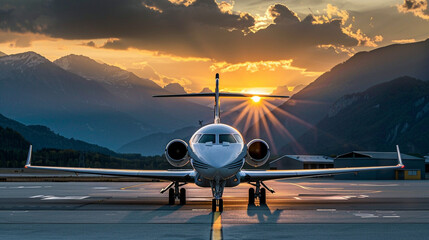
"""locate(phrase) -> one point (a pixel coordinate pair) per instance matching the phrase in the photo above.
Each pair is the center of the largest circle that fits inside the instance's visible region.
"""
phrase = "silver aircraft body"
(217, 153)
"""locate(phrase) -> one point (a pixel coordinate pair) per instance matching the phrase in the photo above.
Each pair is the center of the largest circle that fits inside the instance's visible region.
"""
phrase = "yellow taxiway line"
(132, 186)
(217, 226)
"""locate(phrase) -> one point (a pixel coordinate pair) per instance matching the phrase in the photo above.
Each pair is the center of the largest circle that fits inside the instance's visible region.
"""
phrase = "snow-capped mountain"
(24, 60)
(33, 90)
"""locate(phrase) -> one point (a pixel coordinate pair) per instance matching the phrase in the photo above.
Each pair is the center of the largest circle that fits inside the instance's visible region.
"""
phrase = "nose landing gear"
(217, 191)
(217, 203)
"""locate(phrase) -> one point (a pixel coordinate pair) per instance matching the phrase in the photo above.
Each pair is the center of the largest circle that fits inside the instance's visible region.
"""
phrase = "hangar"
(414, 166)
(302, 162)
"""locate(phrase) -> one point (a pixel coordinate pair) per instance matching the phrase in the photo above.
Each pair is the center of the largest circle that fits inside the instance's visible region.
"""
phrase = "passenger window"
(207, 138)
(238, 137)
(196, 137)
(226, 138)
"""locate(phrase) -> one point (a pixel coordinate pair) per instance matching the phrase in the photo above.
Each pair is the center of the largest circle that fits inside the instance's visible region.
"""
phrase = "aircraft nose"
(216, 162)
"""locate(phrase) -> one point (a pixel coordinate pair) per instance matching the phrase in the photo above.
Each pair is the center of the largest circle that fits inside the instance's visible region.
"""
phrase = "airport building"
(302, 162)
(427, 163)
(414, 166)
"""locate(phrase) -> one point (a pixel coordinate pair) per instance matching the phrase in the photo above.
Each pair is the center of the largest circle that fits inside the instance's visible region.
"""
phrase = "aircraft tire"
(220, 205)
(213, 205)
(251, 196)
(182, 196)
(171, 196)
(263, 198)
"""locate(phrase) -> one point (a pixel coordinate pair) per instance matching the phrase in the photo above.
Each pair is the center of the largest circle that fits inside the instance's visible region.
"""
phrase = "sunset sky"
(255, 45)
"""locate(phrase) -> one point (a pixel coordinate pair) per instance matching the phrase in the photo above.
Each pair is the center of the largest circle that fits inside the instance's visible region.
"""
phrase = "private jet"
(217, 153)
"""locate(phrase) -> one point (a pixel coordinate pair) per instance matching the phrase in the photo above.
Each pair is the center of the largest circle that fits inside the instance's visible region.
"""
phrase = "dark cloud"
(418, 7)
(413, 4)
(200, 29)
(90, 44)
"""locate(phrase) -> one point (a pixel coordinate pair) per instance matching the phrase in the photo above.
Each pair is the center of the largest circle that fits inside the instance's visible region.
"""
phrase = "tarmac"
(320, 208)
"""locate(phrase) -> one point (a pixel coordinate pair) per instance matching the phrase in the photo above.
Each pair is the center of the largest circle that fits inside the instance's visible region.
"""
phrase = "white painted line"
(65, 198)
(365, 215)
(326, 210)
(391, 216)
(200, 210)
(50, 197)
(37, 196)
(21, 187)
(374, 185)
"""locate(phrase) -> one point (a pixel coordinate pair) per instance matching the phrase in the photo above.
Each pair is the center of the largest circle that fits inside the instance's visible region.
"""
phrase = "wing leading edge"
(251, 176)
(182, 176)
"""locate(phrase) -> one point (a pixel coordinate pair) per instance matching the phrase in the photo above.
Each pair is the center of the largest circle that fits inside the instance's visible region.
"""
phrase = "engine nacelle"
(176, 153)
(258, 153)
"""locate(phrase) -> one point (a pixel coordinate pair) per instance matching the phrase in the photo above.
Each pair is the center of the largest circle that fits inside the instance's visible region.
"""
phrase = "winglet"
(400, 164)
(28, 163)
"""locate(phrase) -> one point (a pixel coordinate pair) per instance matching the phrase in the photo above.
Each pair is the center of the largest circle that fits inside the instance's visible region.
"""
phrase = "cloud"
(18, 40)
(250, 66)
(418, 7)
(190, 29)
(253, 67)
(89, 44)
(411, 40)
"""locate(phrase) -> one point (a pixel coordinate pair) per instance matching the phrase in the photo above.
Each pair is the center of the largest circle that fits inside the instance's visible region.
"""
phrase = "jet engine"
(176, 153)
(258, 153)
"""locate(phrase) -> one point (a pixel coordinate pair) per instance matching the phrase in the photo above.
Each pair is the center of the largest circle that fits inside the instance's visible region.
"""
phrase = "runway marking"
(391, 216)
(312, 188)
(200, 210)
(374, 185)
(365, 215)
(216, 226)
(334, 189)
(100, 188)
(50, 197)
(326, 210)
(313, 197)
(132, 186)
(20, 187)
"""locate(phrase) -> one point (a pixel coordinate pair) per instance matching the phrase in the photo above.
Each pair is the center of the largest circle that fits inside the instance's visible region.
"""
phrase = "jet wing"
(252, 176)
(182, 176)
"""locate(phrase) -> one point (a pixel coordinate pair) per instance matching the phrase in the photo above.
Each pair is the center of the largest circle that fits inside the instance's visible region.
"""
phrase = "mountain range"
(395, 112)
(43, 137)
(154, 144)
(362, 71)
(81, 98)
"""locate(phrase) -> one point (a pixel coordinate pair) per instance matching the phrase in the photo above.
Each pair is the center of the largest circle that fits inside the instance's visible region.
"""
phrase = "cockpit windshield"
(226, 138)
(207, 138)
(238, 138)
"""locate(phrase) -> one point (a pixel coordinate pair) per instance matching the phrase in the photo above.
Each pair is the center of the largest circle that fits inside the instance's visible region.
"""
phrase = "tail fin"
(217, 103)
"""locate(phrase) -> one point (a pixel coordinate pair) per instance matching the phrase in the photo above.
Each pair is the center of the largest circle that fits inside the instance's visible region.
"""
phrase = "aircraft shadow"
(263, 213)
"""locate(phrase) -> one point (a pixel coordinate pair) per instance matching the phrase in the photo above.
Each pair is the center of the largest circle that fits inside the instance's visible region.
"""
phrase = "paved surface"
(300, 209)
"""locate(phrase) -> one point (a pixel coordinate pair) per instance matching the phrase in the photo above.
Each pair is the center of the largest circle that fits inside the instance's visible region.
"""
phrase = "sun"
(256, 99)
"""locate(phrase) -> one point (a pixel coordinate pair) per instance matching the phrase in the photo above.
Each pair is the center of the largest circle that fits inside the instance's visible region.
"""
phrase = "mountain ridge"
(360, 72)
(43, 137)
(390, 113)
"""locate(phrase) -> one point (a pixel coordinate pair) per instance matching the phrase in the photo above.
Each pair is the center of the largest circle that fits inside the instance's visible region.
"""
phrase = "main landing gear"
(175, 193)
(259, 192)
